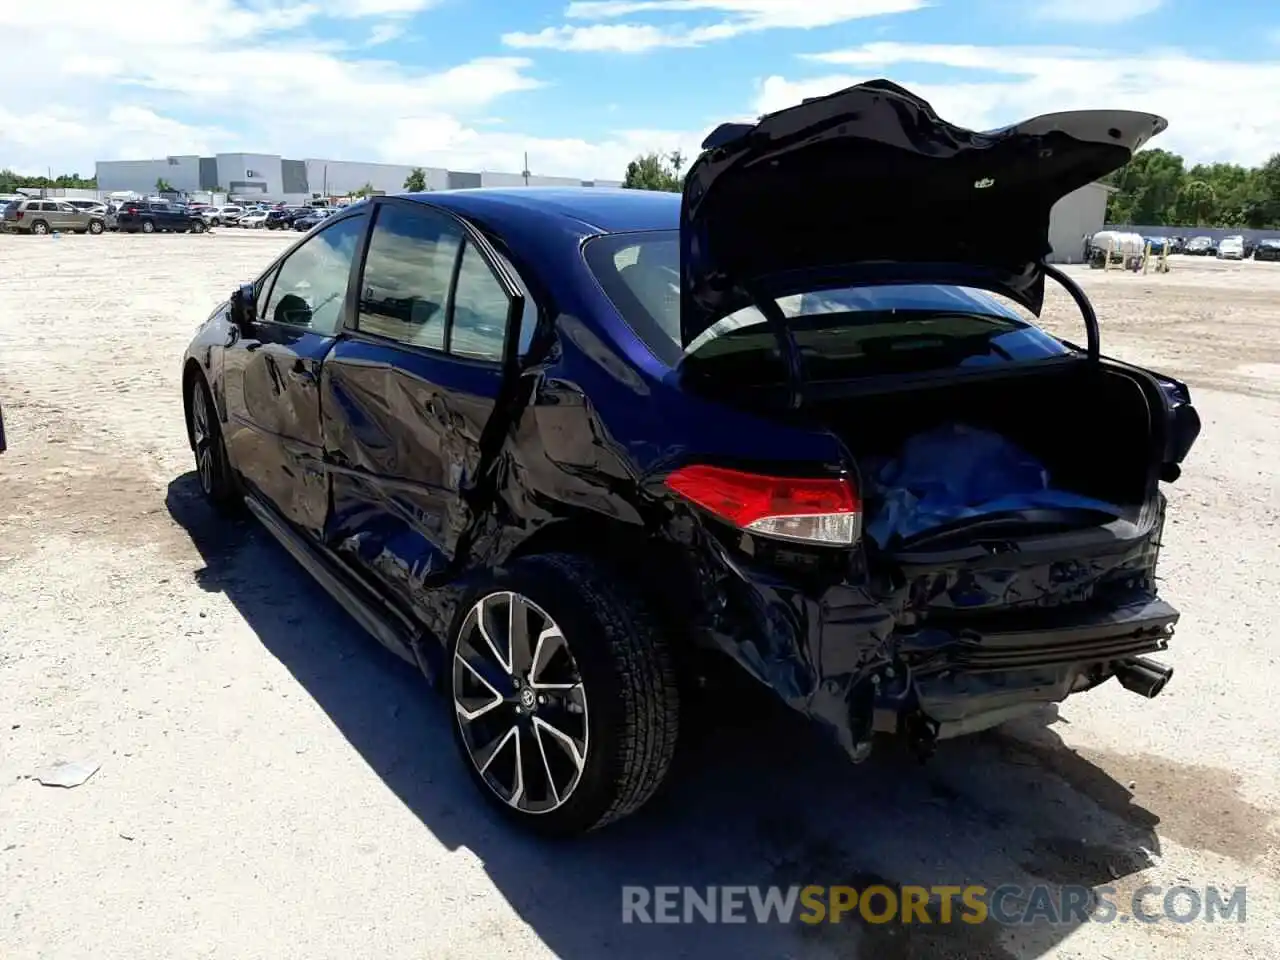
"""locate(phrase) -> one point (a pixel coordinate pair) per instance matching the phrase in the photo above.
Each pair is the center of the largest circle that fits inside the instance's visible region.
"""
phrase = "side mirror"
(243, 309)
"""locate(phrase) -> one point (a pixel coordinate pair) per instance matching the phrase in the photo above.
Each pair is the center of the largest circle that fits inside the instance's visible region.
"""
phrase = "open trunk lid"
(868, 185)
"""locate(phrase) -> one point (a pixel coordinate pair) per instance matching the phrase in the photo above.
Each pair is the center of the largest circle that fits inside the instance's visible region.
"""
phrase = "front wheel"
(565, 696)
(96, 227)
(213, 469)
(197, 226)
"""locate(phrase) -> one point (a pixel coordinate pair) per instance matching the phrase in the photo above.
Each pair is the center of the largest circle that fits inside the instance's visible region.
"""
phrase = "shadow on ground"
(756, 799)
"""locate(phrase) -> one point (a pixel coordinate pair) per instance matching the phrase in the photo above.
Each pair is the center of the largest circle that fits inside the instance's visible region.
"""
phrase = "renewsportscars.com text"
(1006, 905)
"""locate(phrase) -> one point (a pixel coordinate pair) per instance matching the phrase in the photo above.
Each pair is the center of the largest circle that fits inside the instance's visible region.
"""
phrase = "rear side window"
(425, 285)
(479, 310)
(407, 274)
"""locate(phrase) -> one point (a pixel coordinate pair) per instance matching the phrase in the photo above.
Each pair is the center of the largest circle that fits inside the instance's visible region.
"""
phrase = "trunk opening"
(1089, 426)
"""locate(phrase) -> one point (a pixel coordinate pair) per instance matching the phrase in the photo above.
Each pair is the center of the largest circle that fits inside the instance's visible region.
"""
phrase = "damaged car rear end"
(906, 508)
(560, 447)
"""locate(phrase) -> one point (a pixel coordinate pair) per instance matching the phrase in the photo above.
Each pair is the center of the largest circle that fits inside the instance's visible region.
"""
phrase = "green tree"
(416, 181)
(164, 186)
(655, 171)
(1197, 202)
(10, 181)
(1156, 188)
(366, 191)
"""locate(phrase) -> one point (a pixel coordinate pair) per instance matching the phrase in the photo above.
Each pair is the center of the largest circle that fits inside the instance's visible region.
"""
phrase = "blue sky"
(583, 85)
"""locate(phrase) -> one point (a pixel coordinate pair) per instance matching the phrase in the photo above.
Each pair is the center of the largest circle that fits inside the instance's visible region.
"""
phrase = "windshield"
(857, 331)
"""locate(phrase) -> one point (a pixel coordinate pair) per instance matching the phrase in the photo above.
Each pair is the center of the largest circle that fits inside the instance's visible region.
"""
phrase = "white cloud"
(1096, 11)
(238, 76)
(619, 38)
(384, 33)
(468, 149)
(1217, 109)
(740, 16)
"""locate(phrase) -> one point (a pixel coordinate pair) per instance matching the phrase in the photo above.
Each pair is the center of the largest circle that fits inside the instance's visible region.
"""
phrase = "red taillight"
(809, 510)
(20, 214)
(131, 210)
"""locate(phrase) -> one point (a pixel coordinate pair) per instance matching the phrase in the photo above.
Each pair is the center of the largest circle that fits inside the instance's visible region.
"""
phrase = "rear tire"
(39, 228)
(148, 226)
(591, 695)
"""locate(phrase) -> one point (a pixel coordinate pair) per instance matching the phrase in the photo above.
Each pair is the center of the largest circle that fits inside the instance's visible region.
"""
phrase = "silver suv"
(46, 216)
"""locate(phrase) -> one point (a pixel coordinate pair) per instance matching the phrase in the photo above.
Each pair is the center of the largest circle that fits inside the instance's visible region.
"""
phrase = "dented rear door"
(408, 392)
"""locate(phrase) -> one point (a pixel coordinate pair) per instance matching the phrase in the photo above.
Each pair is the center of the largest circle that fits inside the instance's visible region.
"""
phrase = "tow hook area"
(896, 712)
(1143, 676)
(922, 734)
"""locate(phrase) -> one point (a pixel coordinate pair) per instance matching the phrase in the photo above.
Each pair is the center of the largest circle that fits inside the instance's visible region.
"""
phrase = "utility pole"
(525, 171)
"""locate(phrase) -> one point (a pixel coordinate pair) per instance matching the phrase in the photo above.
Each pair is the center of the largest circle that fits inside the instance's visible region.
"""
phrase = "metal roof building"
(272, 177)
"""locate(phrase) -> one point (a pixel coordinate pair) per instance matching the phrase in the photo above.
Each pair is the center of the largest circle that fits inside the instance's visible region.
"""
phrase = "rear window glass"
(857, 331)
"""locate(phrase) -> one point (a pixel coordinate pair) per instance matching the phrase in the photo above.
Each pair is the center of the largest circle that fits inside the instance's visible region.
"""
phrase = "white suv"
(216, 216)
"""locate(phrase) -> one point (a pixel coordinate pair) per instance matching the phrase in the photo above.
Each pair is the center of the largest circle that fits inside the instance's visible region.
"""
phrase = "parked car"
(560, 465)
(3, 444)
(90, 206)
(1267, 249)
(284, 217)
(1250, 245)
(1201, 247)
(41, 216)
(255, 220)
(308, 220)
(217, 216)
(158, 216)
(1231, 248)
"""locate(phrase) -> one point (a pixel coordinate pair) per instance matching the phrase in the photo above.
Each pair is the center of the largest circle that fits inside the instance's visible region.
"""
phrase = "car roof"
(599, 209)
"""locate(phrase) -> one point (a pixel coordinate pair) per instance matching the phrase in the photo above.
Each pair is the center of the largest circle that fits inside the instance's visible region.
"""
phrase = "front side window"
(311, 284)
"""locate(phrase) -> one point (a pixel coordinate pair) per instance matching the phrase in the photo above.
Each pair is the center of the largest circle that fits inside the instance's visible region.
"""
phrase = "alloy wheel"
(520, 703)
(201, 439)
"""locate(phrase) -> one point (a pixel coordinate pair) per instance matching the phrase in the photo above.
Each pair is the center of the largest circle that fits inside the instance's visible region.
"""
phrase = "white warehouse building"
(271, 177)
(1081, 212)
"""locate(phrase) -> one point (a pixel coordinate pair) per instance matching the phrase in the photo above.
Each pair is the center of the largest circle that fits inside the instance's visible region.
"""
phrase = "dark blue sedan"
(568, 450)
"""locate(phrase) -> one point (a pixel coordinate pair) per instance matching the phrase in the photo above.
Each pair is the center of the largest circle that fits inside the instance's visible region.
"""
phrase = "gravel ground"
(273, 785)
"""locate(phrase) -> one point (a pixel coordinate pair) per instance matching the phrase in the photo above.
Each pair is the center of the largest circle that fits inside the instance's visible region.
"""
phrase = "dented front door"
(407, 393)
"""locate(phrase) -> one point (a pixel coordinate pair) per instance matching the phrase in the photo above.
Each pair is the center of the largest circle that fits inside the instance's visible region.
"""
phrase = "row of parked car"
(262, 216)
(42, 215)
(1238, 247)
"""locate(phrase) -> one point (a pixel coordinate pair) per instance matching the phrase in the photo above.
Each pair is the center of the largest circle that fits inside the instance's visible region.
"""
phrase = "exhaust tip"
(1143, 676)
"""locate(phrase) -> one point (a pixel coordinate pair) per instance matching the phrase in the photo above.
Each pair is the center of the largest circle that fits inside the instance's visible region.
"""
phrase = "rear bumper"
(949, 684)
(936, 654)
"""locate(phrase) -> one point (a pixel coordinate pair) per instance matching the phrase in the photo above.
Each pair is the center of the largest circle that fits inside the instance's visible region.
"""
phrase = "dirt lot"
(273, 785)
